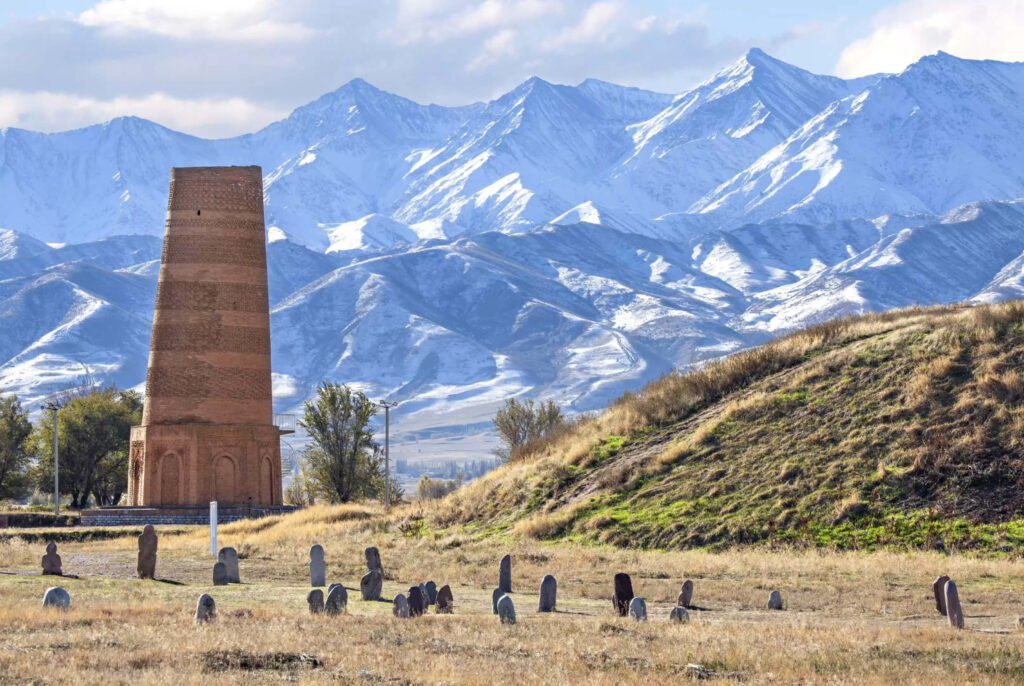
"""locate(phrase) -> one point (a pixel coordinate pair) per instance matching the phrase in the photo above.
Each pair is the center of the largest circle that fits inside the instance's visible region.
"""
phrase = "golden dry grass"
(850, 618)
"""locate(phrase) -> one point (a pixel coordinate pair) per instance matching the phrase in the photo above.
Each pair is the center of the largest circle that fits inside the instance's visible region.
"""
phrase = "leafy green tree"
(435, 489)
(343, 463)
(520, 424)
(94, 432)
(15, 455)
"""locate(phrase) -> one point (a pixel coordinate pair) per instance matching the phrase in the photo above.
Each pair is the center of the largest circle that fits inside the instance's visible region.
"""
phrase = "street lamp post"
(387, 451)
(54, 408)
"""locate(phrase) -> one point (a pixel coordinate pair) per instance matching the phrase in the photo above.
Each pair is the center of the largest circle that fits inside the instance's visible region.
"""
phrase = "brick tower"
(207, 429)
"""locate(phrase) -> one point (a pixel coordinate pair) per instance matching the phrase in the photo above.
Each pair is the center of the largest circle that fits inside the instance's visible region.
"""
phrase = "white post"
(56, 466)
(213, 528)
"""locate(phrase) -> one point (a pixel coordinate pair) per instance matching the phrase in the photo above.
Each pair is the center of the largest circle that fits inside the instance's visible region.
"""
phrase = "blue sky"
(222, 67)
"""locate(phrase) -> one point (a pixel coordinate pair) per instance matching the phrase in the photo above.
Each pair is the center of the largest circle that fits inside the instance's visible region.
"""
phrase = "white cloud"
(497, 47)
(597, 22)
(902, 34)
(44, 111)
(440, 20)
(231, 20)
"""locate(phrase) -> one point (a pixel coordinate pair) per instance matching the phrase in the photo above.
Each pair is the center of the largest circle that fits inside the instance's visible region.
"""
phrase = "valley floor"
(850, 617)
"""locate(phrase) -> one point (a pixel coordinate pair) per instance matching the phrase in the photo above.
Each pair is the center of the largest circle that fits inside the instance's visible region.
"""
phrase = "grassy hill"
(903, 429)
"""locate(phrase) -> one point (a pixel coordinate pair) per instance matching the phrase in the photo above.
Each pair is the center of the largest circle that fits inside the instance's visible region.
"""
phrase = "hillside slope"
(902, 429)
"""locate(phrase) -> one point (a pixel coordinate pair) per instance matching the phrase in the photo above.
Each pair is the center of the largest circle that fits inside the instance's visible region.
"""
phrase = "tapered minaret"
(207, 429)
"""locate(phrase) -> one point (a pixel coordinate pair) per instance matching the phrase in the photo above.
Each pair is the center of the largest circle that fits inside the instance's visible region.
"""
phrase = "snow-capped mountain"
(569, 242)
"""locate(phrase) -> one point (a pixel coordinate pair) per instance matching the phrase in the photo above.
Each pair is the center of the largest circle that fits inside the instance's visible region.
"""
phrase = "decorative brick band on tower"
(207, 429)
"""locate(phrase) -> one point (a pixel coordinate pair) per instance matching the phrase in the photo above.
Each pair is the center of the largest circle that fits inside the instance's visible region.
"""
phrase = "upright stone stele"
(206, 609)
(954, 612)
(373, 559)
(146, 566)
(315, 601)
(505, 574)
(506, 610)
(623, 593)
(207, 430)
(548, 594)
(495, 597)
(774, 600)
(220, 574)
(317, 566)
(229, 556)
(679, 615)
(51, 561)
(445, 600)
(417, 602)
(400, 608)
(431, 588)
(939, 590)
(57, 597)
(337, 600)
(685, 594)
(371, 585)
(638, 609)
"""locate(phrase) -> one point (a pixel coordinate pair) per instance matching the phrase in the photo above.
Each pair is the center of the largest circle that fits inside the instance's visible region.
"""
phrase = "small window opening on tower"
(198, 212)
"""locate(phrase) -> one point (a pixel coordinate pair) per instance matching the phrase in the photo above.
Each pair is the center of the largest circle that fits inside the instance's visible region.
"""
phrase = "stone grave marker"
(371, 585)
(431, 588)
(495, 596)
(51, 561)
(623, 593)
(373, 559)
(317, 566)
(229, 556)
(206, 609)
(685, 594)
(954, 612)
(417, 601)
(401, 607)
(337, 600)
(774, 600)
(445, 601)
(220, 574)
(505, 574)
(939, 589)
(506, 610)
(548, 594)
(679, 615)
(57, 597)
(146, 566)
(638, 609)
(315, 601)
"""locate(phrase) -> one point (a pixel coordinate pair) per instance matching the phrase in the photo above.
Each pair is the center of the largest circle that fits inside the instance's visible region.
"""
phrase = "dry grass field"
(850, 617)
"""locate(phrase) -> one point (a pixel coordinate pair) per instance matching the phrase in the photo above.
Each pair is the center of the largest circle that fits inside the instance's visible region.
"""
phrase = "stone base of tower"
(193, 464)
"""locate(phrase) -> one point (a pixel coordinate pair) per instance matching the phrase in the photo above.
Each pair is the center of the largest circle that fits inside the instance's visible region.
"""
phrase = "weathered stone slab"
(417, 602)
(229, 556)
(220, 574)
(315, 601)
(548, 594)
(146, 566)
(51, 561)
(505, 574)
(337, 600)
(317, 566)
(371, 585)
(206, 609)
(445, 600)
(506, 610)
(57, 597)
(373, 560)
(685, 594)
(679, 615)
(431, 588)
(622, 594)
(638, 609)
(774, 600)
(939, 589)
(401, 607)
(954, 612)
